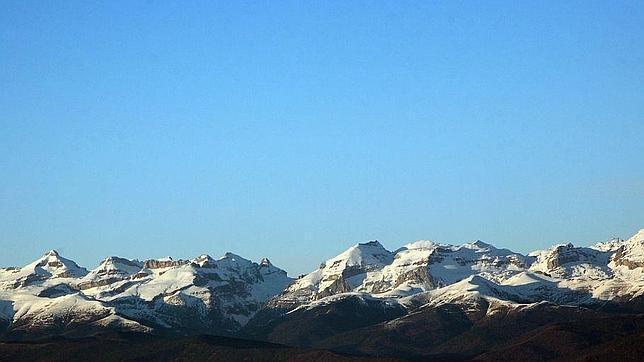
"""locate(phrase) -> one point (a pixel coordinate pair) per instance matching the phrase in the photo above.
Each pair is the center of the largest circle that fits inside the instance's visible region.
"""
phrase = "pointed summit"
(203, 260)
(228, 255)
(52, 252)
(53, 265)
(112, 269)
(479, 245)
(115, 264)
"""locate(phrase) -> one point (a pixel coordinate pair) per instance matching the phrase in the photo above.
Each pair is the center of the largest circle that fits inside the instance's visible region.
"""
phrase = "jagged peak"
(52, 256)
(203, 260)
(53, 264)
(52, 252)
(369, 246)
(478, 244)
(562, 245)
(204, 257)
(164, 263)
(230, 255)
(113, 258)
(232, 258)
(375, 243)
(266, 268)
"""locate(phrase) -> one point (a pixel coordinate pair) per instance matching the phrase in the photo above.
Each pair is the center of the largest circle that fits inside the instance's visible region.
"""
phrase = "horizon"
(293, 274)
(292, 131)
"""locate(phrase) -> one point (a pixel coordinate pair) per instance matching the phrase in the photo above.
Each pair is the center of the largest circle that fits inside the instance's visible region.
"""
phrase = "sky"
(294, 130)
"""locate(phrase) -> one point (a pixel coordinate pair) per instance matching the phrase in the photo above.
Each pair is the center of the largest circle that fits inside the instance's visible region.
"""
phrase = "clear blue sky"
(295, 129)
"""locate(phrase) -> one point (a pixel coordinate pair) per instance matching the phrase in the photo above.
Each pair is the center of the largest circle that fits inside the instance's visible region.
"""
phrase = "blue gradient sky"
(295, 129)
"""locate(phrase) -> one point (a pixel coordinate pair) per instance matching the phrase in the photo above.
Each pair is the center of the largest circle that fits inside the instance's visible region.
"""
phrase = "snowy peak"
(267, 269)
(449, 264)
(339, 274)
(370, 244)
(568, 261)
(522, 288)
(631, 253)
(478, 245)
(110, 270)
(420, 244)
(609, 245)
(201, 293)
(233, 257)
(236, 263)
(265, 262)
(52, 252)
(203, 260)
(115, 264)
(418, 266)
(52, 265)
(204, 294)
(369, 254)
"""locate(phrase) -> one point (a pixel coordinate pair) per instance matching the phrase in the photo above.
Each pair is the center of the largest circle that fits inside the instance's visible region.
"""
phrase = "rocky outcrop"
(419, 275)
(338, 286)
(563, 254)
(622, 258)
(166, 263)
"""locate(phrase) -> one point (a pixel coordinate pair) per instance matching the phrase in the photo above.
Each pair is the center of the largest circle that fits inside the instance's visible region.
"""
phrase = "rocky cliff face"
(631, 252)
(568, 261)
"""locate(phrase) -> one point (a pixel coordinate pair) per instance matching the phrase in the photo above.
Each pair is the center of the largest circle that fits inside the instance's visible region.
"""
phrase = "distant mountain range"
(422, 300)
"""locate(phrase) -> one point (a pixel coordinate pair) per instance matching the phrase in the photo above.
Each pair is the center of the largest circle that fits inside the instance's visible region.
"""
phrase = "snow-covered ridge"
(603, 271)
(50, 266)
(221, 295)
(416, 267)
(202, 293)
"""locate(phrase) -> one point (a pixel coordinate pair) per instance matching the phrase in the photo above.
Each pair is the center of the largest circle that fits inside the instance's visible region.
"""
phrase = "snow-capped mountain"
(200, 295)
(50, 266)
(567, 261)
(424, 266)
(371, 300)
(363, 285)
(631, 252)
(477, 277)
(416, 267)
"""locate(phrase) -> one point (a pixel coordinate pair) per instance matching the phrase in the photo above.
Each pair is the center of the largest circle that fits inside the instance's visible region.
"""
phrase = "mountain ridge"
(364, 289)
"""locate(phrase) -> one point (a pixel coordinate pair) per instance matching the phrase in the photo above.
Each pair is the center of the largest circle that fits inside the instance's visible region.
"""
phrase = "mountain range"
(425, 299)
